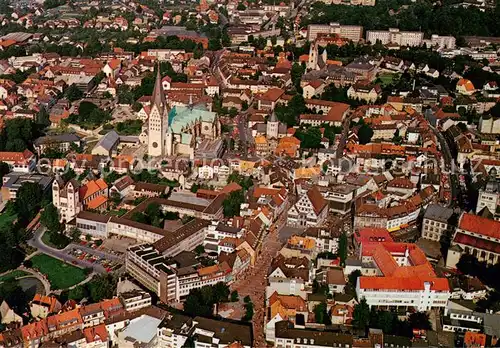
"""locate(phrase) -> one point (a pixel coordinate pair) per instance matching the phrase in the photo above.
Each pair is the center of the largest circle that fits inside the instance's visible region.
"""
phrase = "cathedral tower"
(158, 119)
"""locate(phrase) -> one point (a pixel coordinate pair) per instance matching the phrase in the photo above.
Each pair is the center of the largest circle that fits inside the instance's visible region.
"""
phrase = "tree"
(153, 210)
(241, 7)
(353, 278)
(232, 203)
(42, 117)
(296, 74)
(4, 169)
(75, 234)
(249, 310)
(310, 139)
(78, 293)
(419, 320)
(343, 247)
(50, 218)
(101, 287)
(234, 296)
(361, 315)
(321, 314)
(200, 249)
(365, 134)
(73, 93)
(28, 200)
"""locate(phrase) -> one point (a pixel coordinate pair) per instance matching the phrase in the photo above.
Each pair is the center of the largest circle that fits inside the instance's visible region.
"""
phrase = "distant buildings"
(395, 36)
(351, 32)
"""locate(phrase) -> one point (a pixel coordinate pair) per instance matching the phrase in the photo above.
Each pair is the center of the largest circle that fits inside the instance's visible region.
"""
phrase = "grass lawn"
(61, 275)
(387, 79)
(13, 275)
(118, 212)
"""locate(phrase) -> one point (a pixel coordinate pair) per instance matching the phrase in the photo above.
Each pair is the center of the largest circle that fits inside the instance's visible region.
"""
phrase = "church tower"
(158, 119)
(312, 62)
(272, 127)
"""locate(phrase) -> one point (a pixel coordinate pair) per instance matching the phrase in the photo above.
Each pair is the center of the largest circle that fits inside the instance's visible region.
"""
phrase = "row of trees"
(387, 321)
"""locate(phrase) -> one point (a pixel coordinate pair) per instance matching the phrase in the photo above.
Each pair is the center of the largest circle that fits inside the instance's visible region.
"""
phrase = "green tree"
(361, 315)
(28, 200)
(75, 234)
(4, 169)
(321, 314)
(73, 93)
(241, 7)
(50, 218)
(102, 287)
(343, 247)
(353, 278)
(419, 320)
(78, 293)
(296, 74)
(234, 296)
(152, 210)
(365, 134)
(42, 117)
(232, 203)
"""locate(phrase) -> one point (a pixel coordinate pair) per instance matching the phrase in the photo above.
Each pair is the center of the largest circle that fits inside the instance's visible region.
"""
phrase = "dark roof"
(171, 239)
(60, 138)
(285, 329)
(227, 332)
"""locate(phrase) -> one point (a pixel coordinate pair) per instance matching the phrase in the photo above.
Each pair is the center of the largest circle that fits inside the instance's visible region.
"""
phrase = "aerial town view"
(249, 173)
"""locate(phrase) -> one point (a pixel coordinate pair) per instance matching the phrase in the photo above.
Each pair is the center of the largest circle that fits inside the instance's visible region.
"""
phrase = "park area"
(60, 275)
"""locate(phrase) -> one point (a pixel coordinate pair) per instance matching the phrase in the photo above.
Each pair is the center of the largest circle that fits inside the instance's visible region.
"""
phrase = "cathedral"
(178, 130)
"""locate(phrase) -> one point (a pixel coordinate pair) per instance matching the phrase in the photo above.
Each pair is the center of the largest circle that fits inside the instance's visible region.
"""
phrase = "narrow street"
(254, 285)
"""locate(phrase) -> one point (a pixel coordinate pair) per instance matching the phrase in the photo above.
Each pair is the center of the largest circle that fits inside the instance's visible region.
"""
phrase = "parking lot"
(96, 254)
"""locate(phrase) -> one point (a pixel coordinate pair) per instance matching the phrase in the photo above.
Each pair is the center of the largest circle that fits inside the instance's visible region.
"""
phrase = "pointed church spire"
(273, 117)
(158, 97)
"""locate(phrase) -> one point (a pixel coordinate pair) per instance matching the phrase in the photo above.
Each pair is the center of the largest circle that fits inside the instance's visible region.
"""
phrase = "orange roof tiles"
(16, 157)
(96, 333)
(479, 225)
(92, 187)
(466, 84)
(393, 283)
(97, 202)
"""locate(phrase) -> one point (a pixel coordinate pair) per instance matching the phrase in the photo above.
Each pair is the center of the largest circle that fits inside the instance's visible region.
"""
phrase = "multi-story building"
(24, 162)
(477, 236)
(439, 41)
(135, 300)
(13, 181)
(152, 270)
(404, 278)
(217, 231)
(310, 210)
(286, 335)
(437, 223)
(161, 275)
(60, 143)
(351, 32)
(394, 36)
(177, 328)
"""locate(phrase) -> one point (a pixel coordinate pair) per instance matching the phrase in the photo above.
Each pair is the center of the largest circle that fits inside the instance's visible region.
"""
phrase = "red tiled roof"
(393, 283)
(480, 225)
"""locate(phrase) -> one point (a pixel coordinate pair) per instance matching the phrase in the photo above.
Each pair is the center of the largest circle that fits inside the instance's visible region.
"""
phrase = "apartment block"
(395, 36)
(350, 32)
